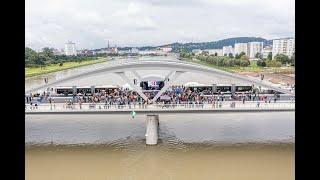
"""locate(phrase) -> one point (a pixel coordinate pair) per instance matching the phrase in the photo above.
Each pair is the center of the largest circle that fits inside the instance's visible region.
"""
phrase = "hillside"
(206, 45)
(217, 44)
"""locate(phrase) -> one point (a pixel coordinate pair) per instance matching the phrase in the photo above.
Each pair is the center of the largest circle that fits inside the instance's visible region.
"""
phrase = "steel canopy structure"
(175, 67)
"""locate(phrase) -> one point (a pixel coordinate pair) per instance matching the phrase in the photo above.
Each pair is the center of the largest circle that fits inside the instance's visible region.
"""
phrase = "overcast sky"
(91, 23)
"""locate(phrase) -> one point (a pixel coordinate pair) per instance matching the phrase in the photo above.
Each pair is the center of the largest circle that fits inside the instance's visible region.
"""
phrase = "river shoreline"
(275, 75)
(193, 145)
(84, 63)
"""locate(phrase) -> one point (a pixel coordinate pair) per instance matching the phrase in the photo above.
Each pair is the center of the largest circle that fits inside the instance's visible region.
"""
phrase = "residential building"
(241, 47)
(266, 50)
(226, 50)
(147, 52)
(166, 49)
(123, 52)
(254, 48)
(283, 46)
(85, 52)
(70, 49)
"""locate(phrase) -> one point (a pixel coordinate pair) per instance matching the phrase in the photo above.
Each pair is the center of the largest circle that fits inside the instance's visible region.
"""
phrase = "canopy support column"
(135, 88)
(137, 75)
(167, 84)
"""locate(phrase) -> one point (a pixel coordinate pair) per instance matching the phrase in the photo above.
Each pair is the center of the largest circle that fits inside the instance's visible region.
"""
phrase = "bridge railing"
(184, 106)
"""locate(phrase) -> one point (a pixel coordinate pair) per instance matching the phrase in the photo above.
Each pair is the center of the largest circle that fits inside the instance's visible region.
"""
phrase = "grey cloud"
(140, 22)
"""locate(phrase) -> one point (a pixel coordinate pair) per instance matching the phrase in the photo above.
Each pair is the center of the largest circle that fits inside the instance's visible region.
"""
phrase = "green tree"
(238, 56)
(48, 52)
(273, 63)
(284, 59)
(244, 57)
(292, 59)
(269, 56)
(30, 56)
(40, 60)
(261, 63)
(259, 56)
(244, 62)
(186, 55)
(230, 55)
(237, 62)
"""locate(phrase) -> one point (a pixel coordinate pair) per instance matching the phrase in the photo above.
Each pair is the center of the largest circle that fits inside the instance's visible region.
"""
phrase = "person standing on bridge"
(213, 101)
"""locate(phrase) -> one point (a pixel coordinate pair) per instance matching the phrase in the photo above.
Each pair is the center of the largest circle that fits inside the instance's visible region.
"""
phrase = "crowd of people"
(175, 95)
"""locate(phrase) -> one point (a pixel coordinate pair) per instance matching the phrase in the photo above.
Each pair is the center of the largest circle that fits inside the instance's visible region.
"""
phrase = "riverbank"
(137, 161)
(276, 75)
(34, 71)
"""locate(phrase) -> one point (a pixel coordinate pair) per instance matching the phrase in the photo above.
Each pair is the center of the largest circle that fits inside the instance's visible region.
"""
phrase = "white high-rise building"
(166, 49)
(254, 48)
(226, 50)
(70, 49)
(241, 47)
(283, 46)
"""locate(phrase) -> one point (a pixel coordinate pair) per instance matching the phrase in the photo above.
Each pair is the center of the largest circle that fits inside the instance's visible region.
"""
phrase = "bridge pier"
(152, 126)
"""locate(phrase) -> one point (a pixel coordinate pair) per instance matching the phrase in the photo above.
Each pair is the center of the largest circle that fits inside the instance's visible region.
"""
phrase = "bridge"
(152, 110)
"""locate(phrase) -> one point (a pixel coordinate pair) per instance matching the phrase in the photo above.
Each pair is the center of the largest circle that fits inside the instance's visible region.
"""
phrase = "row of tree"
(230, 60)
(226, 61)
(47, 57)
(277, 61)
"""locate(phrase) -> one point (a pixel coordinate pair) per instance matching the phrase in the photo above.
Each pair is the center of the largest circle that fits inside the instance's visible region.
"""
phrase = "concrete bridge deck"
(158, 109)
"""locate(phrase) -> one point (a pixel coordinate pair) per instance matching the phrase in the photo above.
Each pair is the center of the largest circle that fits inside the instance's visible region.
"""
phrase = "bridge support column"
(152, 126)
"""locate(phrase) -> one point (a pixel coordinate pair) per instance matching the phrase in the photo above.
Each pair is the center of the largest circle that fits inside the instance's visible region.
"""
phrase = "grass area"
(33, 71)
(251, 68)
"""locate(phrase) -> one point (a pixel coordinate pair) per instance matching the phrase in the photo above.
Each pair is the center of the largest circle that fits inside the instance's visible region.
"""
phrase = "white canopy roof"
(127, 86)
(153, 77)
(193, 84)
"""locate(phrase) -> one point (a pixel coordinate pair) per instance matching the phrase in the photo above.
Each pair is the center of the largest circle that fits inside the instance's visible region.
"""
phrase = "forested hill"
(217, 44)
(176, 47)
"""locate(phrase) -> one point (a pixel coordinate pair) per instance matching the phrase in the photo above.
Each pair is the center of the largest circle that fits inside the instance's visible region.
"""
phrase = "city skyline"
(139, 23)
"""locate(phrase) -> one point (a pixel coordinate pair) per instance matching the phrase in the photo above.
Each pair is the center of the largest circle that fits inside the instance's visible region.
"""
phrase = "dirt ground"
(277, 78)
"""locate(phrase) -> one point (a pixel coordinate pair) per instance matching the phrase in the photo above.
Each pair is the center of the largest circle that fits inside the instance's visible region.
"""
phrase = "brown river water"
(191, 146)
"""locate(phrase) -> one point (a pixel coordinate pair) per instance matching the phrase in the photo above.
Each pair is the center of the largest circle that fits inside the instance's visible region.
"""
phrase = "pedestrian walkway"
(100, 107)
